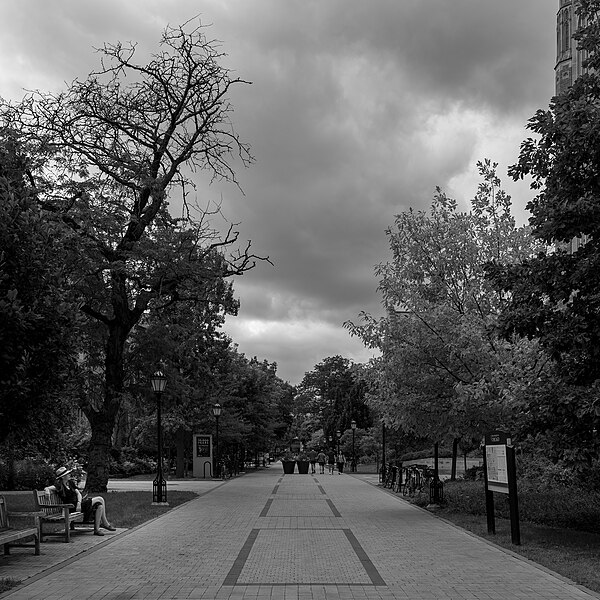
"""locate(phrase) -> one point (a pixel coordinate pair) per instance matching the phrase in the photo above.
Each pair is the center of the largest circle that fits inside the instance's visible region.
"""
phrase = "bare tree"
(110, 151)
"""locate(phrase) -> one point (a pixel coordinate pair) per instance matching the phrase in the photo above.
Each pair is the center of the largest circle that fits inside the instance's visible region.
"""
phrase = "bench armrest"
(57, 506)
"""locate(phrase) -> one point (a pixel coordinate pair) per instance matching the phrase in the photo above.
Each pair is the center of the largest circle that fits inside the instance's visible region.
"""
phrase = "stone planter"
(303, 466)
(288, 466)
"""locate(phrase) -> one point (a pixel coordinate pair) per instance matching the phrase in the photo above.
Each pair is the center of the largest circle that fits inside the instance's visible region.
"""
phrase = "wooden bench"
(57, 513)
(9, 535)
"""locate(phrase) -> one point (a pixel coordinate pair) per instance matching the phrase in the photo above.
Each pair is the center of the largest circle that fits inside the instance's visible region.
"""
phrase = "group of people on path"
(331, 459)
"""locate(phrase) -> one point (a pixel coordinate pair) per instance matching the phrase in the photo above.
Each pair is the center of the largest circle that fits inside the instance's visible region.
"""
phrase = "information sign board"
(501, 476)
(202, 454)
(203, 445)
(497, 468)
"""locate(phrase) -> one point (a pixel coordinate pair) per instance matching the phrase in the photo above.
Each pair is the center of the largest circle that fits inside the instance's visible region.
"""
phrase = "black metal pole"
(511, 465)
(436, 474)
(217, 464)
(353, 453)
(383, 465)
(489, 499)
(159, 495)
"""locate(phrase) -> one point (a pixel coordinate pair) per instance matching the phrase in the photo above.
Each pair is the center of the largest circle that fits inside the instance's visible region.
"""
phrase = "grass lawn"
(129, 509)
(126, 509)
(573, 554)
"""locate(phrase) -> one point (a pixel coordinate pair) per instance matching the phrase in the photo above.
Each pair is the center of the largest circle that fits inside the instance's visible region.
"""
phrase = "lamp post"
(339, 436)
(159, 486)
(353, 425)
(331, 442)
(383, 466)
(216, 410)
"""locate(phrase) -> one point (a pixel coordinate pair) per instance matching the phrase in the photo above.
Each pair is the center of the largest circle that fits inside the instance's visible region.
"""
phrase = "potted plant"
(288, 463)
(303, 463)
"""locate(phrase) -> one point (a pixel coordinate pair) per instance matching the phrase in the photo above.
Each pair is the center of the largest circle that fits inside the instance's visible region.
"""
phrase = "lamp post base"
(159, 491)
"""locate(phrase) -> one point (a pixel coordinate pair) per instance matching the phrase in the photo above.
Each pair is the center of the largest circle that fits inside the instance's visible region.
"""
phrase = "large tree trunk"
(99, 453)
(103, 419)
(454, 458)
(180, 442)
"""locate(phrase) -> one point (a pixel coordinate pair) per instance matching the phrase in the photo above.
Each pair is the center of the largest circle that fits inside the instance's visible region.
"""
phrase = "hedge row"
(569, 507)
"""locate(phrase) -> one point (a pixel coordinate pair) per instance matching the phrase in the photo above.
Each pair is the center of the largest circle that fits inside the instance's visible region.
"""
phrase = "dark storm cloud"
(356, 111)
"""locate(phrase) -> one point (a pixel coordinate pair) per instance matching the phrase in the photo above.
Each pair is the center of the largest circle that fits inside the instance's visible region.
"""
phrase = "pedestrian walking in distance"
(340, 459)
(312, 457)
(331, 461)
(321, 459)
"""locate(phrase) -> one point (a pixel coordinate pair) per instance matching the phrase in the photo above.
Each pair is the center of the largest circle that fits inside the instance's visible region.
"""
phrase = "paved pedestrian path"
(296, 537)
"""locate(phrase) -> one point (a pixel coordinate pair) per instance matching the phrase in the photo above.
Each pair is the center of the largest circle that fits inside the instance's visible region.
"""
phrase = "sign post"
(500, 472)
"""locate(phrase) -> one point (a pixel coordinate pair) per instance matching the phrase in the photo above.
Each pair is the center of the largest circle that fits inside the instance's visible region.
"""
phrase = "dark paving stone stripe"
(369, 567)
(241, 559)
(275, 489)
(334, 510)
(322, 490)
(266, 508)
(295, 583)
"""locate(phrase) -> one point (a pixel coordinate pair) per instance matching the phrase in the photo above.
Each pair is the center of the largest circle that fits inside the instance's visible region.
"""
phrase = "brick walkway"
(296, 537)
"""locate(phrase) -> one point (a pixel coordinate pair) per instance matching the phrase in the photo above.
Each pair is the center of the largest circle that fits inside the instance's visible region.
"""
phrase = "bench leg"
(6, 549)
(37, 544)
(67, 525)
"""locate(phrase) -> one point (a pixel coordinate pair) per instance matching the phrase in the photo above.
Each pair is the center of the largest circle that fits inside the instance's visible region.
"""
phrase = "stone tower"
(568, 58)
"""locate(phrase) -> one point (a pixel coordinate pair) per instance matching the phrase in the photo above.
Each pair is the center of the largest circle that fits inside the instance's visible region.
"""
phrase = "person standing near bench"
(94, 507)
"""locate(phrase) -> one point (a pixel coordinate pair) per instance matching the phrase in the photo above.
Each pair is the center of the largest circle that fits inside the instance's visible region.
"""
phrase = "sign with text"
(501, 476)
(202, 453)
(203, 445)
(497, 468)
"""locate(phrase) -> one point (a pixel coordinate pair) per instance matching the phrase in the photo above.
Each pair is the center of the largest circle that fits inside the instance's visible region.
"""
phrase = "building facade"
(569, 66)
(569, 60)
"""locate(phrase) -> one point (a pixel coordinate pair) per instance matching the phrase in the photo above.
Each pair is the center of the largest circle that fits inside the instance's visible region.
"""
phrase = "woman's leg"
(101, 519)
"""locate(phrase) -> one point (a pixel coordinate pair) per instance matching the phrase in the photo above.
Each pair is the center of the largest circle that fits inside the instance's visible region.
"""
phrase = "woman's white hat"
(62, 471)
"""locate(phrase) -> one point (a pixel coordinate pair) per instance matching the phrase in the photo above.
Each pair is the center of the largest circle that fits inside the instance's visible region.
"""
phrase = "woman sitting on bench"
(92, 508)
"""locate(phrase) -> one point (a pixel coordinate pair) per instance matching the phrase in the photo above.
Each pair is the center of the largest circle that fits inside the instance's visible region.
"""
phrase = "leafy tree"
(439, 348)
(333, 396)
(38, 323)
(554, 296)
(111, 150)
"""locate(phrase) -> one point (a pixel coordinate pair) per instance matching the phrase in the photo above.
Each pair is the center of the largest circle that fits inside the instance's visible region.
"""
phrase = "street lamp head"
(216, 409)
(159, 382)
(353, 424)
(339, 433)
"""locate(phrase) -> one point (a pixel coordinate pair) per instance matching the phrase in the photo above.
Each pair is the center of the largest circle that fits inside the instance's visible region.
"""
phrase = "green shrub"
(474, 473)
(128, 463)
(29, 474)
(573, 508)
(427, 453)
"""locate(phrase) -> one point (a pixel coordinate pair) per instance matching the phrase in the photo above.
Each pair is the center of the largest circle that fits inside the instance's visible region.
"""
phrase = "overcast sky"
(357, 110)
